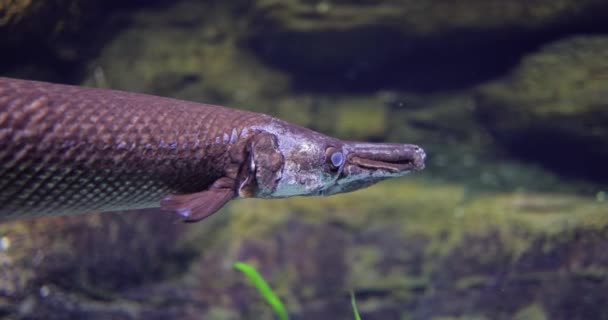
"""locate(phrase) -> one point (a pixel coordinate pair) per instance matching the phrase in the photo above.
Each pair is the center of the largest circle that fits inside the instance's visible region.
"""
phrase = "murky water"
(509, 220)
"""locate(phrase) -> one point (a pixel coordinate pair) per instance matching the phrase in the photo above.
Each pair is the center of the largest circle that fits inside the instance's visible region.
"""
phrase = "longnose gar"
(69, 149)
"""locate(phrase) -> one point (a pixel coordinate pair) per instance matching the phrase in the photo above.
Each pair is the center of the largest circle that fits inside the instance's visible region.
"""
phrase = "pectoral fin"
(198, 206)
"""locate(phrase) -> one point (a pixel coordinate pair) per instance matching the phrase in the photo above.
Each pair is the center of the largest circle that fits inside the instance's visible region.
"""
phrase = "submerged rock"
(554, 107)
(40, 36)
(425, 251)
(52, 39)
(423, 45)
(410, 249)
(176, 52)
(67, 266)
(407, 249)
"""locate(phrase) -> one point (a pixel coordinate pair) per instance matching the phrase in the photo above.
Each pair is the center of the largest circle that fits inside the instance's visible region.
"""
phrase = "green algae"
(353, 117)
(564, 78)
(216, 313)
(416, 205)
(426, 219)
(531, 312)
(198, 65)
(555, 96)
(467, 283)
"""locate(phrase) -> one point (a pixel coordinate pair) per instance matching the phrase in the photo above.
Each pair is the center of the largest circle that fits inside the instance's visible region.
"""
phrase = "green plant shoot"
(353, 302)
(263, 288)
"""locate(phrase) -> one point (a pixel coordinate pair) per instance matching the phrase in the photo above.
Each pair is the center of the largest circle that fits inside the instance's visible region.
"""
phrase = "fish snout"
(390, 157)
(419, 158)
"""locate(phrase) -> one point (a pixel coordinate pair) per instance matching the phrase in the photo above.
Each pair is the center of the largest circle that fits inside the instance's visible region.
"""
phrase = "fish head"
(313, 164)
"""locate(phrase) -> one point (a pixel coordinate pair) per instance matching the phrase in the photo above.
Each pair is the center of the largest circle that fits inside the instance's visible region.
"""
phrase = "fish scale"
(74, 149)
(67, 149)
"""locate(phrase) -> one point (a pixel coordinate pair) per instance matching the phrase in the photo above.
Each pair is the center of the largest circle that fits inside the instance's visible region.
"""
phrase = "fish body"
(70, 149)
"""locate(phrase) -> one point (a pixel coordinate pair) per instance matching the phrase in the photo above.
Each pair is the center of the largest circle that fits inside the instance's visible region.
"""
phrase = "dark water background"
(508, 221)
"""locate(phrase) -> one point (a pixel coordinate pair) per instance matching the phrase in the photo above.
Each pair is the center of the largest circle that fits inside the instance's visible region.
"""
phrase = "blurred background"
(508, 221)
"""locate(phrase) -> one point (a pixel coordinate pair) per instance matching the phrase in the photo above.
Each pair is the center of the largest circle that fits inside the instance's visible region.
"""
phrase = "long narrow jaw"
(387, 158)
(369, 163)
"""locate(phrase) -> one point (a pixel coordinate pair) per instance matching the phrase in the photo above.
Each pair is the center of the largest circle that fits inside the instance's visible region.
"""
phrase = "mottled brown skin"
(67, 149)
(71, 149)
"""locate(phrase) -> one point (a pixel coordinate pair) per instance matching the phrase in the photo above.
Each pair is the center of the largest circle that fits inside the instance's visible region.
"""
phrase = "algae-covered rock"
(422, 17)
(531, 312)
(35, 27)
(407, 249)
(61, 261)
(156, 55)
(554, 107)
(417, 44)
(52, 39)
(405, 246)
(410, 249)
(176, 52)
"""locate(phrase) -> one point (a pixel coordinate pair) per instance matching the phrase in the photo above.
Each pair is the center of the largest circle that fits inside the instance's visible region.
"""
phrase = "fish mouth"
(391, 157)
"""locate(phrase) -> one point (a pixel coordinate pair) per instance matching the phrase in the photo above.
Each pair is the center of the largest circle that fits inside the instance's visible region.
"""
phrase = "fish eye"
(337, 159)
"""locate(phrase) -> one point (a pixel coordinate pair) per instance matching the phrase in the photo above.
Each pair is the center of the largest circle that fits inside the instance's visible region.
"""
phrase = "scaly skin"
(71, 149)
(67, 149)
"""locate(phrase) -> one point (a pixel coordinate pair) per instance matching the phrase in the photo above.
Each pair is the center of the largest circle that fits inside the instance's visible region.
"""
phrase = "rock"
(66, 264)
(173, 52)
(554, 107)
(411, 248)
(423, 45)
(418, 251)
(42, 33)
(406, 248)
(51, 39)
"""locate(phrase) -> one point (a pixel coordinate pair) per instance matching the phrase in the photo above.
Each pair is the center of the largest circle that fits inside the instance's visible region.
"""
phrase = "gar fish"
(70, 149)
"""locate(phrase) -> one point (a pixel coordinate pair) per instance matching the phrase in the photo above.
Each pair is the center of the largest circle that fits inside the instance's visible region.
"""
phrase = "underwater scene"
(508, 219)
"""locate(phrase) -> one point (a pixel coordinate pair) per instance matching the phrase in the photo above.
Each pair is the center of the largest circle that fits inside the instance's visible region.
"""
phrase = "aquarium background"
(508, 221)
